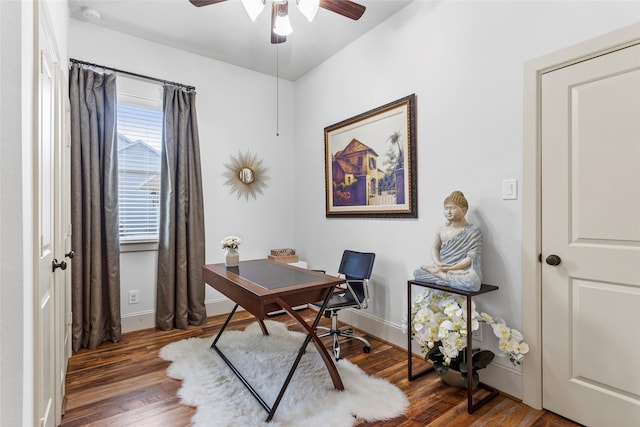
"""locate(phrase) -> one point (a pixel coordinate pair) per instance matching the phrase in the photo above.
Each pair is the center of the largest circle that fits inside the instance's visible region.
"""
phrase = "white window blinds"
(139, 131)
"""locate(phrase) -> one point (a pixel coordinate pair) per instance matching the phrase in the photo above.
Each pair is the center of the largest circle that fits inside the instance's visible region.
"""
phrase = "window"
(139, 132)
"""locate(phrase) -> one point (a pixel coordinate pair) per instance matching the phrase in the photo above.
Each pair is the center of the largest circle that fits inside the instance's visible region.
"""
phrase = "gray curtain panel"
(180, 290)
(95, 294)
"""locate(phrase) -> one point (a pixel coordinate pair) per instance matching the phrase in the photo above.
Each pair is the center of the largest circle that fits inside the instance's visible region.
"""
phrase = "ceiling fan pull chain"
(277, 91)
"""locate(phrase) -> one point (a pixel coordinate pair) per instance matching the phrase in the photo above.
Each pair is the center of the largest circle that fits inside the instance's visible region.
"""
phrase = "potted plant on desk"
(439, 324)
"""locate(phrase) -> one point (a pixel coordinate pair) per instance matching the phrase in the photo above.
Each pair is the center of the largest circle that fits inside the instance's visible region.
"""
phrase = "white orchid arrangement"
(510, 341)
(231, 242)
(439, 324)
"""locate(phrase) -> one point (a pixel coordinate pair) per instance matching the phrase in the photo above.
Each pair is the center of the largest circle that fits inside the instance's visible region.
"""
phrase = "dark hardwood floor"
(124, 384)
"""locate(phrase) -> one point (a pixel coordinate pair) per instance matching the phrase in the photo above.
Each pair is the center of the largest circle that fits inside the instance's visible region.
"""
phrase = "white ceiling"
(225, 32)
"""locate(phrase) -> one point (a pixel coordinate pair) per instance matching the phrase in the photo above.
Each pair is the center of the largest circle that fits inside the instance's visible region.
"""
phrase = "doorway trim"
(531, 206)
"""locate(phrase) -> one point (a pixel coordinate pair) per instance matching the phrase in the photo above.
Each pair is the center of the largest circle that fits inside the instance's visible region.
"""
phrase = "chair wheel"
(366, 349)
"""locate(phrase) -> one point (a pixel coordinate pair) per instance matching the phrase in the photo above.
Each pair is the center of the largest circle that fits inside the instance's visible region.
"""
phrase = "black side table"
(471, 406)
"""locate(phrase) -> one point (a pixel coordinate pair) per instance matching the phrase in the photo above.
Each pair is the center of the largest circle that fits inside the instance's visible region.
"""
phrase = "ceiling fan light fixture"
(308, 8)
(282, 25)
(253, 8)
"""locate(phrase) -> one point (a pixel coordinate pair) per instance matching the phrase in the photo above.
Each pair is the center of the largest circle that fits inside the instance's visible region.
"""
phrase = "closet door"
(590, 199)
(44, 180)
(50, 275)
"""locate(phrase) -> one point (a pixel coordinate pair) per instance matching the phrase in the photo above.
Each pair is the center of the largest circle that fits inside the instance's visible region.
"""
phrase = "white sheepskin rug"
(310, 400)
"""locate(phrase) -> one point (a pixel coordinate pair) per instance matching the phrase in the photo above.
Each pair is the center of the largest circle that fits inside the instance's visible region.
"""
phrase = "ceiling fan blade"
(344, 7)
(200, 3)
(275, 38)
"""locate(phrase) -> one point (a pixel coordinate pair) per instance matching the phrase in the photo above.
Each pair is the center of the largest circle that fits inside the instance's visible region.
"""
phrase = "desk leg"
(263, 327)
(311, 335)
(232, 366)
(333, 372)
(224, 326)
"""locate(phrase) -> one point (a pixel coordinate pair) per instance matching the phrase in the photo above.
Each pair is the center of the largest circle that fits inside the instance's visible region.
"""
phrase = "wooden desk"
(471, 405)
(262, 286)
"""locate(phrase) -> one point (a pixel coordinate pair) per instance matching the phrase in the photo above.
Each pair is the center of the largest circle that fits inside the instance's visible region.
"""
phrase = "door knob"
(55, 264)
(70, 254)
(553, 260)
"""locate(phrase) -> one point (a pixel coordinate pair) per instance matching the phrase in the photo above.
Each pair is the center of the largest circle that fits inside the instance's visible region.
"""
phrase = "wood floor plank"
(125, 384)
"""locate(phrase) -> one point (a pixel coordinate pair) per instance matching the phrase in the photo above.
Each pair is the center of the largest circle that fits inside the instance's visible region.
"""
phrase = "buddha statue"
(456, 250)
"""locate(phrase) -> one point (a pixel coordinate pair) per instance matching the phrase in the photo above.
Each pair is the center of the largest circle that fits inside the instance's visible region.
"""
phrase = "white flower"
(486, 318)
(445, 327)
(431, 333)
(230, 242)
(516, 335)
(459, 325)
(504, 344)
(452, 309)
(450, 352)
(456, 341)
(512, 346)
(523, 348)
(501, 331)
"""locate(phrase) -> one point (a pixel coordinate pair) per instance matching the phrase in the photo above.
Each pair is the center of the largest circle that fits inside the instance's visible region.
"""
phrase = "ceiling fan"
(280, 26)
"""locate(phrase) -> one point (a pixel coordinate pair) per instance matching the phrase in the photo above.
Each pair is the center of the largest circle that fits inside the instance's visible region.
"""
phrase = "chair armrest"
(365, 288)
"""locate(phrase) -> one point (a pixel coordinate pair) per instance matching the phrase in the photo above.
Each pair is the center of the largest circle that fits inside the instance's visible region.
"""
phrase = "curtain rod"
(115, 70)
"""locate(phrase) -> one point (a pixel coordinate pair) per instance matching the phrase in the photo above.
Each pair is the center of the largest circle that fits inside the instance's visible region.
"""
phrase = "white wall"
(236, 112)
(464, 61)
(15, 249)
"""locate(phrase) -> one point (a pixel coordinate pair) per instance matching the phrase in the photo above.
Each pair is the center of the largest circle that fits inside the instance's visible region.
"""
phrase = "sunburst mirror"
(246, 175)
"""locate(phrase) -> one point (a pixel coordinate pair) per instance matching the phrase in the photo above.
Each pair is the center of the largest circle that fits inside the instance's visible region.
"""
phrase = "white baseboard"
(147, 319)
(138, 321)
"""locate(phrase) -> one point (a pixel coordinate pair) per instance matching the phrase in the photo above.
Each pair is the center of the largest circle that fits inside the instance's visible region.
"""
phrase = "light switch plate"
(509, 189)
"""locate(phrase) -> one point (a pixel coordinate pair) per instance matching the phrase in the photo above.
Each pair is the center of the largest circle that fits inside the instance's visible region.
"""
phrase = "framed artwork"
(370, 163)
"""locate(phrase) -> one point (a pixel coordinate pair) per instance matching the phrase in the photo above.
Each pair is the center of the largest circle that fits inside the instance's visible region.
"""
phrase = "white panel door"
(44, 178)
(62, 223)
(591, 222)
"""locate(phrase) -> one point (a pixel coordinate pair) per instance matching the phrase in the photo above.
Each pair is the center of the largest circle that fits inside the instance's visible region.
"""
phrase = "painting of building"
(356, 177)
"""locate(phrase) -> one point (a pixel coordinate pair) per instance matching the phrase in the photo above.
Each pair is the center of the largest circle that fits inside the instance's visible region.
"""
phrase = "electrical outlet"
(133, 297)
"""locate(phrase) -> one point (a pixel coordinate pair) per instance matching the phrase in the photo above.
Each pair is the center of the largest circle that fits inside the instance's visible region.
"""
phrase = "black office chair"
(356, 268)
